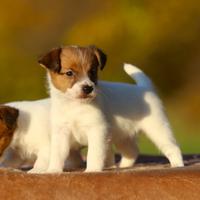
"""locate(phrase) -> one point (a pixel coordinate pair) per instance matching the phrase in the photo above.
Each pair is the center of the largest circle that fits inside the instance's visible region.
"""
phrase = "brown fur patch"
(8, 124)
(83, 61)
(51, 60)
(61, 82)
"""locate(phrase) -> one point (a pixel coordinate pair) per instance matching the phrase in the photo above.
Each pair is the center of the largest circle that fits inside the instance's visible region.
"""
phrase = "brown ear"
(9, 115)
(101, 56)
(51, 60)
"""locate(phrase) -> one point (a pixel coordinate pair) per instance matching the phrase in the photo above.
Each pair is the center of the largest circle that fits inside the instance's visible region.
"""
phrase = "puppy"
(85, 111)
(30, 141)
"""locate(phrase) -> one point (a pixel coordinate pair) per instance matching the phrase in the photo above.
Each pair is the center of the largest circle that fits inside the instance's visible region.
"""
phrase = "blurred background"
(161, 37)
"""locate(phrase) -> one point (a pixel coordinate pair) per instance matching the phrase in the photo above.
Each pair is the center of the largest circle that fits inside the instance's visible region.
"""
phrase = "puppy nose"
(87, 89)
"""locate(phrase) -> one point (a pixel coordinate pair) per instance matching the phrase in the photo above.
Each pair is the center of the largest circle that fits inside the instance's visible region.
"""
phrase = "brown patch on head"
(8, 124)
(69, 64)
(101, 57)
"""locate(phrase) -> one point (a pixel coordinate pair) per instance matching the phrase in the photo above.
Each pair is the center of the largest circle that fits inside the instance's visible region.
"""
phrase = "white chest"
(76, 119)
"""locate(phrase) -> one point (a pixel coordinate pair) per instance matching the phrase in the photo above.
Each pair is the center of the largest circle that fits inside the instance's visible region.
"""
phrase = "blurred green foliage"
(161, 37)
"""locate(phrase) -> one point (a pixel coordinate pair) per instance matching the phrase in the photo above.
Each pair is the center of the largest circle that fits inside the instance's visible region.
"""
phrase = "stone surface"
(150, 178)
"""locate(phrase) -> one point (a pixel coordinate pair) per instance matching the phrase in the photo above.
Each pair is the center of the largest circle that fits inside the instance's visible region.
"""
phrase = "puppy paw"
(126, 162)
(36, 171)
(53, 170)
(114, 166)
(177, 164)
(176, 160)
(93, 170)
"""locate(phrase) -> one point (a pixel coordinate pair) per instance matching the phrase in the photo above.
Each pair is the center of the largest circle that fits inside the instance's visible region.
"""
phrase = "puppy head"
(74, 70)
(8, 124)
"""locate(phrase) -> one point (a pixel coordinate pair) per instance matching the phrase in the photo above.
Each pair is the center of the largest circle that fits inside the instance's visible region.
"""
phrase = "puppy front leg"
(60, 147)
(97, 148)
(42, 162)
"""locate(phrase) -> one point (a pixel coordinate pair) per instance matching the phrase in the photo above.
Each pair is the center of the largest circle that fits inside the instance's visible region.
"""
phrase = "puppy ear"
(101, 56)
(9, 115)
(51, 60)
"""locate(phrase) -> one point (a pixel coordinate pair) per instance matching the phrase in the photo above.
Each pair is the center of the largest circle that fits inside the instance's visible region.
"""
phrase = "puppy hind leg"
(110, 158)
(128, 150)
(160, 134)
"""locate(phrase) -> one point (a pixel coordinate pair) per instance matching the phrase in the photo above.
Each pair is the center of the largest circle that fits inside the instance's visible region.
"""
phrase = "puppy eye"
(69, 73)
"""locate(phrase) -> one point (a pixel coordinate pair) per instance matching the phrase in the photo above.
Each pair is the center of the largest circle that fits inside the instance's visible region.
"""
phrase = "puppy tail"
(138, 75)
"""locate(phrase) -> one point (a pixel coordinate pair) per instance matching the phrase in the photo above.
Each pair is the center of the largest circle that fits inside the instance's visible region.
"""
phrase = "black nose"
(87, 89)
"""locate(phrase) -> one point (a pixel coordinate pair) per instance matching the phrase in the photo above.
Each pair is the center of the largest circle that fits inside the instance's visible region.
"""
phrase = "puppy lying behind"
(25, 132)
(85, 111)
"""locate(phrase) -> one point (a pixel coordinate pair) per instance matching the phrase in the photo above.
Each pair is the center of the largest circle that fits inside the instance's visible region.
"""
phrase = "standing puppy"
(87, 112)
(76, 117)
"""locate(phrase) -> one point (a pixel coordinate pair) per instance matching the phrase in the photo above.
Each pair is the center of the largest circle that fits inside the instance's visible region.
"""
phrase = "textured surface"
(143, 181)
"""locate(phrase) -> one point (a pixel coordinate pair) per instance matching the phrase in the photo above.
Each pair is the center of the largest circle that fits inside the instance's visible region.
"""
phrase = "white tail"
(138, 75)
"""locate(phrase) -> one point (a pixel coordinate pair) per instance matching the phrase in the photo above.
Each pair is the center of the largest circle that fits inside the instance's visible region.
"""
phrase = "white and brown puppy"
(85, 111)
(76, 120)
(25, 136)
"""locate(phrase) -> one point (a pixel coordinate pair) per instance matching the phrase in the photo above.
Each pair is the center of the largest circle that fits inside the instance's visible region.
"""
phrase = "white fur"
(137, 108)
(119, 111)
(31, 141)
(74, 92)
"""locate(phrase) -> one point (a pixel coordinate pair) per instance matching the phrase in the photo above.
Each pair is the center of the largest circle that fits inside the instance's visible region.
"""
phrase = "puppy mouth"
(86, 97)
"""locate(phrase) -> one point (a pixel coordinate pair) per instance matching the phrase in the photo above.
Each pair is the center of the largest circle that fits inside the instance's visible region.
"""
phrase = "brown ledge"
(150, 178)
